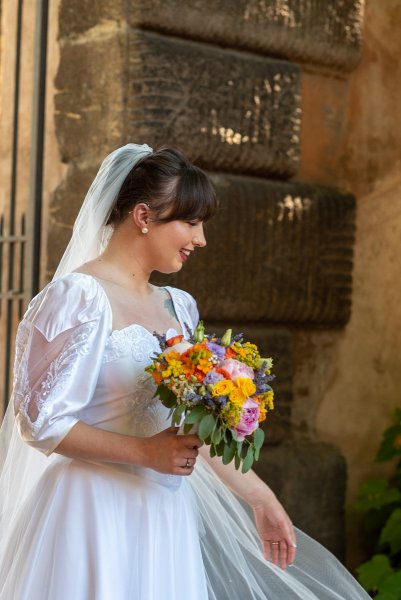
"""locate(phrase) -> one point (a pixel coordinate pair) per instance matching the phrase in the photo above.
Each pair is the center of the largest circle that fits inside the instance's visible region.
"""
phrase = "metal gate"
(20, 216)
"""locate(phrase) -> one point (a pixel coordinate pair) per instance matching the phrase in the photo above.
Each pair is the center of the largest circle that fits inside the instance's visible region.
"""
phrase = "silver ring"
(275, 543)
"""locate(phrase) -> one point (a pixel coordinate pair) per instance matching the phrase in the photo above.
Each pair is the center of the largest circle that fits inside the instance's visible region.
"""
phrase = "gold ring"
(274, 543)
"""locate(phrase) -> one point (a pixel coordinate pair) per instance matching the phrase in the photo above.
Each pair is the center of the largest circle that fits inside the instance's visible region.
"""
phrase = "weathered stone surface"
(309, 478)
(327, 33)
(228, 111)
(65, 204)
(277, 252)
(90, 98)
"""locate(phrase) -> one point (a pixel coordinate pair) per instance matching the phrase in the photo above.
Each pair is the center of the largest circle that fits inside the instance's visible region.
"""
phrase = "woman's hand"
(168, 452)
(275, 529)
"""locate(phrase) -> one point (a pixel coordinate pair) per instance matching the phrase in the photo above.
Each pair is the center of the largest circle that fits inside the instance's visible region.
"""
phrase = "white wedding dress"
(87, 531)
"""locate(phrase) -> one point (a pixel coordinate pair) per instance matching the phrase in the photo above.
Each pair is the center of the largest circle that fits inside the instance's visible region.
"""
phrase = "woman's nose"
(199, 237)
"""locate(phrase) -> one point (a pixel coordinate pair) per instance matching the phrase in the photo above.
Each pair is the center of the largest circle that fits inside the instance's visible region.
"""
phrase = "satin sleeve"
(60, 345)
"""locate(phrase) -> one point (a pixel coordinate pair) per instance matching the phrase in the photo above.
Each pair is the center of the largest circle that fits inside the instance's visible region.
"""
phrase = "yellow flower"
(268, 397)
(172, 356)
(236, 397)
(222, 388)
(246, 386)
(174, 369)
(231, 414)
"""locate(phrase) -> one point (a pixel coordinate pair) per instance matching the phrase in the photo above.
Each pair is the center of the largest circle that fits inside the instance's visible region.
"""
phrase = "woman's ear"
(140, 215)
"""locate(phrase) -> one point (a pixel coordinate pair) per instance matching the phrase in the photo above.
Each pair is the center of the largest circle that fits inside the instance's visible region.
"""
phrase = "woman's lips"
(184, 257)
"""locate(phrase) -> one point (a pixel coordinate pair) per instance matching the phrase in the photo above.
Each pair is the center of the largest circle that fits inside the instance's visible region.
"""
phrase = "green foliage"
(380, 501)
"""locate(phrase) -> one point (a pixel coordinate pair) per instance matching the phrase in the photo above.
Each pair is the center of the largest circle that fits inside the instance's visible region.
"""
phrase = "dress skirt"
(92, 532)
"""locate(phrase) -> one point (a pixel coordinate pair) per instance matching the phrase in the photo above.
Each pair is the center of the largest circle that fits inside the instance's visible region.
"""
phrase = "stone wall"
(352, 378)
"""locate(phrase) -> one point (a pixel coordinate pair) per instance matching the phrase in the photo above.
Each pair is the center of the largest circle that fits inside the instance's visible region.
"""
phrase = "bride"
(116, 505)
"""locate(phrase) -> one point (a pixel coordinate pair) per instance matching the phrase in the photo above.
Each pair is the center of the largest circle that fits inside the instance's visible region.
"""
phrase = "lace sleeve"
(55, 379)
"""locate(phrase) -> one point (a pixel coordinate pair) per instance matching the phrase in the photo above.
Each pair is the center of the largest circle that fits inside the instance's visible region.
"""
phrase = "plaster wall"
(351, 379)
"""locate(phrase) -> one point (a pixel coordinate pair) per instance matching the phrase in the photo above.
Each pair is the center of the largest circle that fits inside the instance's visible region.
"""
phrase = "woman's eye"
(192, 223)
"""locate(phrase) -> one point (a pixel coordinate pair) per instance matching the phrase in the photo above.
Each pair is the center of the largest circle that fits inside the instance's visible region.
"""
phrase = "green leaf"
(372, 573)
(258, 438)
(220, 448)
(196, 414)
(390, 588)
(391, 444)
(217, 435)
(237, 461)
(391, 532)
(229, 452)
(239, 449)
(206, 426)
(248, 460)
(177, 414)
(187, 427)
(167, 397)
(212, 450)
(376, 493)
(257, 453)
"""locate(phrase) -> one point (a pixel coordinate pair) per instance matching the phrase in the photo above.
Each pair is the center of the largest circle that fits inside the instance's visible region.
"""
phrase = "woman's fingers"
(291, 554)
(275, 552)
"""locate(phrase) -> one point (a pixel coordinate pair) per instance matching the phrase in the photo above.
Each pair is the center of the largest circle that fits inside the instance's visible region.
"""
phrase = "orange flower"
(157, 376)
(174, 340)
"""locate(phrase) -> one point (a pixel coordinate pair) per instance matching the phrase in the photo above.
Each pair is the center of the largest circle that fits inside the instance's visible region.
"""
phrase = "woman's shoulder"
(186, 304)
(69, 300)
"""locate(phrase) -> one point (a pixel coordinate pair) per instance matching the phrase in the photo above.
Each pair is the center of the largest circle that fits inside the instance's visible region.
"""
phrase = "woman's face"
(171, 244)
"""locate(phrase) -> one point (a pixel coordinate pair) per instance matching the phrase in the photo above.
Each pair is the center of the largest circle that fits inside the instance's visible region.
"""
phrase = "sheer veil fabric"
(231, 550)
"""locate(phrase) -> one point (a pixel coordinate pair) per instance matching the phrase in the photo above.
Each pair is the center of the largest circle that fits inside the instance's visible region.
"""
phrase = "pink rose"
(249, 419)
(235, 369)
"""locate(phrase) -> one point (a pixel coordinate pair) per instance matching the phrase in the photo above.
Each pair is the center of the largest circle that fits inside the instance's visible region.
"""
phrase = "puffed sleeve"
(59, 350)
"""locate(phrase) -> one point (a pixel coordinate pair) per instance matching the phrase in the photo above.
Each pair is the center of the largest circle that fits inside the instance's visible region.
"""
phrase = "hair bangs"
(194, 197)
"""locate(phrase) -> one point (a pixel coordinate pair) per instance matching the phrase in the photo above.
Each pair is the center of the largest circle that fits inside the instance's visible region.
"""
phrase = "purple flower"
(218, 350)
(212, 377)
(249, 420)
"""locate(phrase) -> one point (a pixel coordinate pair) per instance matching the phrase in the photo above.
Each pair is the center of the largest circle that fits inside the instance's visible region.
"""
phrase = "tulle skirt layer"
(233, 560)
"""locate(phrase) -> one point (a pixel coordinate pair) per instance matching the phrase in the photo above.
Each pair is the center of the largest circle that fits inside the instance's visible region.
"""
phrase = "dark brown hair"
(166, 180)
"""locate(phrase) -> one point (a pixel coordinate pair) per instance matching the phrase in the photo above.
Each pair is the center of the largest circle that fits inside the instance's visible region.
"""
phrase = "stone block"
(228, 111)
(323, 33)
(65, 204)
(90, 98)
(309, 478)
(277, 253)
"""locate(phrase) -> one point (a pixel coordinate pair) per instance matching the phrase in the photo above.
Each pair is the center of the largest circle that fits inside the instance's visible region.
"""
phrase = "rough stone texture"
(309, 477)
(228, 111)
(277, 252)
(66, 201)
(90, 98)
(324, 33)
(275, 343)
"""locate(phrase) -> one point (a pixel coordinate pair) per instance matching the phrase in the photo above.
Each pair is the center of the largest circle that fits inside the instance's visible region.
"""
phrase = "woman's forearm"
(246, 485)
(91, 443)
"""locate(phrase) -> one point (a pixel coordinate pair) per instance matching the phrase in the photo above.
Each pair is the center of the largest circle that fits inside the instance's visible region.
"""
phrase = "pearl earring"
(145, 230)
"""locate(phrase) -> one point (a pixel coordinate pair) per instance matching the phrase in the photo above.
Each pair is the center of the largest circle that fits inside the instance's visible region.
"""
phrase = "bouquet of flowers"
(219, 387)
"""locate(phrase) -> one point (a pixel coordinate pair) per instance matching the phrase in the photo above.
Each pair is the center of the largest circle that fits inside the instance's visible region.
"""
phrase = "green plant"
(380, 502)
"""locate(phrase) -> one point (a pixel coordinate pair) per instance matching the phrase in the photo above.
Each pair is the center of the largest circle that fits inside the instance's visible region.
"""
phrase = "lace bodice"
(71, 365)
